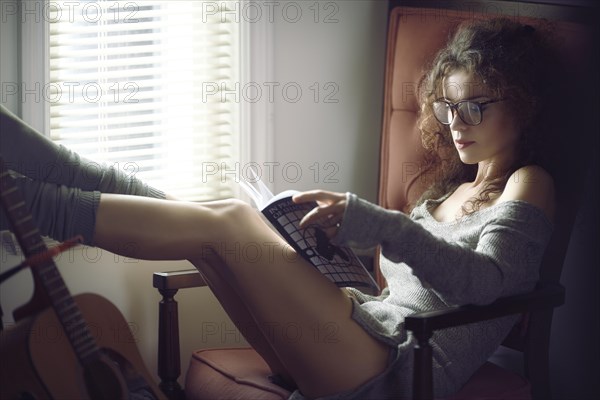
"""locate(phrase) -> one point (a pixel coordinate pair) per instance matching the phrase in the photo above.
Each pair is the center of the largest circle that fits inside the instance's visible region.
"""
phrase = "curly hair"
(512, 60)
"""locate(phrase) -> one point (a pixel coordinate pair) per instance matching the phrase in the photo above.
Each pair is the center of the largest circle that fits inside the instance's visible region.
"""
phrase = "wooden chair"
(414, 34)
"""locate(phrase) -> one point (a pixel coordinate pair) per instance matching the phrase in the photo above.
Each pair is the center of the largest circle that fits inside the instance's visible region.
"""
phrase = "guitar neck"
(46, 273)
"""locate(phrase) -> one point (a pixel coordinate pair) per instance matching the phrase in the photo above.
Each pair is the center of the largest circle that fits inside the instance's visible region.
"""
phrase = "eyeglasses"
(470, 112)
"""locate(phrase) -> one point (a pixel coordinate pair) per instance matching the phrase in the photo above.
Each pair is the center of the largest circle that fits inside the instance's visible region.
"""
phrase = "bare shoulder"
(534, 185)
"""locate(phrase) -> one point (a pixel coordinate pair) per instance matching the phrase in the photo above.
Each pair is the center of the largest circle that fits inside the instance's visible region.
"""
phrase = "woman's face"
(495, 139)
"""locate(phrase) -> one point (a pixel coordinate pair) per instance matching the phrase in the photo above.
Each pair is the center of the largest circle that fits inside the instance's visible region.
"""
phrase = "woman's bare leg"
(241, 317)
(153, 239)
(305, 318)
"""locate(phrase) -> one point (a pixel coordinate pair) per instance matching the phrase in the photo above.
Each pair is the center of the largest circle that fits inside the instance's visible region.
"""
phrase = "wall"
(9, 56)
(333, 133)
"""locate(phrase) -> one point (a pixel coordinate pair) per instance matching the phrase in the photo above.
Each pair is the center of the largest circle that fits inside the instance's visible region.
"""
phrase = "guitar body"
(38, 362)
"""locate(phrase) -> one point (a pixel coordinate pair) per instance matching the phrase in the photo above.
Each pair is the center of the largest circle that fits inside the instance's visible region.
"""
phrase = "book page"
(338, 264)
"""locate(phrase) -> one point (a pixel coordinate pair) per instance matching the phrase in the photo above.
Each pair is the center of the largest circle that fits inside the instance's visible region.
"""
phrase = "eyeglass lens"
(468, 111)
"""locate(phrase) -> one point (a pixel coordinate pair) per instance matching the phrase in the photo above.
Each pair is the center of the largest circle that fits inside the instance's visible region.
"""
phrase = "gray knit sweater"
(61, 188)
(428, 264)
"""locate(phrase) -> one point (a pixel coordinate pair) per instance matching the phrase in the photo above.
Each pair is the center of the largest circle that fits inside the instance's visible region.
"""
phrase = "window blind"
(149, 87)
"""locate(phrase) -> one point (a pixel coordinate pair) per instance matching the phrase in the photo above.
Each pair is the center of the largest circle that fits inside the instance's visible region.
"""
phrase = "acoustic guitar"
(64, 347)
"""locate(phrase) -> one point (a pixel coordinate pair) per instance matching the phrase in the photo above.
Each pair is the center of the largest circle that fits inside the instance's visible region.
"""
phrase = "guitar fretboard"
(31, 243)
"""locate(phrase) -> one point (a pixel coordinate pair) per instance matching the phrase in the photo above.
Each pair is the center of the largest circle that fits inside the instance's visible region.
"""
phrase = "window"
(147, 86)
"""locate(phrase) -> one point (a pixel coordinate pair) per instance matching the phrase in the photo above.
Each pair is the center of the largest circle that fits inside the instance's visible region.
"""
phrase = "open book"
(339, 264)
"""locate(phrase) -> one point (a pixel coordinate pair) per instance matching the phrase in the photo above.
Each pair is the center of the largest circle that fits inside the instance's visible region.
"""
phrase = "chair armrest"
(548, 296)
(177, 279)
(423, 324)
(168, 283)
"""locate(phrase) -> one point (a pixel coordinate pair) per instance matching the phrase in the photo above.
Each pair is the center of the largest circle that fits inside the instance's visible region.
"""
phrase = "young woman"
(478, 234)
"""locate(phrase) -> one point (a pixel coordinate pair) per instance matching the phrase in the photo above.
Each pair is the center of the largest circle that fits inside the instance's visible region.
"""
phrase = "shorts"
(390, 384)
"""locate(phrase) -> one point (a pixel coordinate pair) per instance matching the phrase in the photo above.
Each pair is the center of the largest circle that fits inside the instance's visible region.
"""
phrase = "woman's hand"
(328, 215)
